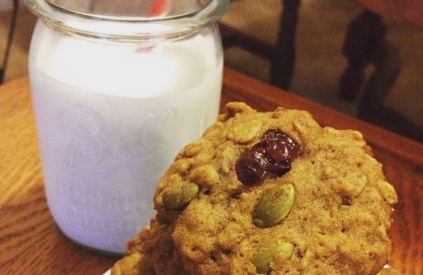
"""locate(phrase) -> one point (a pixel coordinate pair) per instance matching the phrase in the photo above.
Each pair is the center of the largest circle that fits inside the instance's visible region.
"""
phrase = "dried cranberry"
(273, 134)
(276, 155)
(277, 150)
(251, 167)
(273, 154)
(283, 140)
(279, 167)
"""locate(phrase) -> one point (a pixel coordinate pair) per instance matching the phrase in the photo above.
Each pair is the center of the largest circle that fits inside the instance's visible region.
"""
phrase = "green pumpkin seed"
(262, 259)
(177, 198)
(274, 205)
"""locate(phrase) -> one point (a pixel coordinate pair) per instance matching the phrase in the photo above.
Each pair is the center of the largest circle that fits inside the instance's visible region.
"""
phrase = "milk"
(111, 118)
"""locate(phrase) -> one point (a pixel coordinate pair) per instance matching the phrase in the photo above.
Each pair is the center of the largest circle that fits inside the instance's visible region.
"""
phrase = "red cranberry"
(251, 167)
(279, 167)
(273, 154)
(283, 143)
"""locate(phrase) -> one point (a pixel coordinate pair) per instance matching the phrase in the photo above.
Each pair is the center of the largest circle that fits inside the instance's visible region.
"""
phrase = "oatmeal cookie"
(268, 193)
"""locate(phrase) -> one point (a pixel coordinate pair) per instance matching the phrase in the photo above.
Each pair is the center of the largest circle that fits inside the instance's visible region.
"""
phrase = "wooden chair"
(365, 43)
(9, 40)
(281, 55)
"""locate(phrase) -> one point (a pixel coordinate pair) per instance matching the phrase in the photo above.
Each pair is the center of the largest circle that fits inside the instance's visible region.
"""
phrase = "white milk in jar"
(111, 116)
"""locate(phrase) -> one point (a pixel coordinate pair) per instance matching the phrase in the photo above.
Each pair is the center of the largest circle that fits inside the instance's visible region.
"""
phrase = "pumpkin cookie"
(268, 193)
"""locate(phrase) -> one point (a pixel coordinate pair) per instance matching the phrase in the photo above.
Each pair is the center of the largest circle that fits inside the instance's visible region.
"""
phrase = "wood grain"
(31, 243)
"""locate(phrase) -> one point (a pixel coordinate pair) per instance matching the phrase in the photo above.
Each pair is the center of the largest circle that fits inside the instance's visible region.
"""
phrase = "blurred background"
(320, 33)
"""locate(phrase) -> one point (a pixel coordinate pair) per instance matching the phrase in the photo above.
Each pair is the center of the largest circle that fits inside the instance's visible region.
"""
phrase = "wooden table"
(31, 243)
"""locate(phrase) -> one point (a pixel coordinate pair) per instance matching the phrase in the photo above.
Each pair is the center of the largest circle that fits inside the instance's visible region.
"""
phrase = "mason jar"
(118, 88)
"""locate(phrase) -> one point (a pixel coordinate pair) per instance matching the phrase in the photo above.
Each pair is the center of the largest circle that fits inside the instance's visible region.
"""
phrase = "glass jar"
(118, 88)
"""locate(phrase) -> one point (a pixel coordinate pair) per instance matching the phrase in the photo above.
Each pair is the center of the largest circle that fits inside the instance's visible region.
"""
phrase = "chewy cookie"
(268, 193)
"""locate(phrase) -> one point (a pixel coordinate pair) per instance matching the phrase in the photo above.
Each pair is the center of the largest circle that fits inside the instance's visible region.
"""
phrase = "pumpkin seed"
(177, 198)
(274, 205)
(262, 259)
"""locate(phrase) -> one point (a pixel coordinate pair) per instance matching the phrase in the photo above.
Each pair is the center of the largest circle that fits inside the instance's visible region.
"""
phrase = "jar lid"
(129, 18)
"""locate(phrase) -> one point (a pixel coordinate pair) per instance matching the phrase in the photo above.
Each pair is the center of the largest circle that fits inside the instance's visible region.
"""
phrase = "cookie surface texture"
(329, 214)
